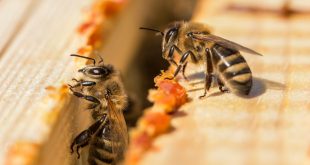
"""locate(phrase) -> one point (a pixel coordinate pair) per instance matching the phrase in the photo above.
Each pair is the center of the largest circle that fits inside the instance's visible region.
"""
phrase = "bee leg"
(87, 83)
(208, 81)
(183, 71)
(182, 61)
(171, 52)
(83, 83)
(86, 97)
(84, 137)
(208, 76)
(81, 140)
(221, 86)
(78, 84)
(180, 65)
(90, 84)
(78, 148)
(75, 85)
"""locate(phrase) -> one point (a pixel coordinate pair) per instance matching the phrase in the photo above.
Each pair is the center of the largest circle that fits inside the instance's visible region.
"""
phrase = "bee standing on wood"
(108, 138)
(221, 57)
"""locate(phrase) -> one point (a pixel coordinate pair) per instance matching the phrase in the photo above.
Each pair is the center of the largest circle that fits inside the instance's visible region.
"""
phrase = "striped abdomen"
(100, 149)
(232, 69)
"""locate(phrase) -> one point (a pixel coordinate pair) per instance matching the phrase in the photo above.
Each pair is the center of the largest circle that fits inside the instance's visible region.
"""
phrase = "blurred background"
(145, 60)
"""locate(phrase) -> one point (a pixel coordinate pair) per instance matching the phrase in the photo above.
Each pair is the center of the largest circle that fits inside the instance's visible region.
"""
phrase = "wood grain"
(11, 24)
(36, 39)
(272, 125)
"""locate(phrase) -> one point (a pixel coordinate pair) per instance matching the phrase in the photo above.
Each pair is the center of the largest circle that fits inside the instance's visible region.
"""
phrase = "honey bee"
(222, 58)
(101, 86)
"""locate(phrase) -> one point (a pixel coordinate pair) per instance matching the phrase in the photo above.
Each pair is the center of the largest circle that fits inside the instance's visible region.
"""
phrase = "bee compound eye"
(172, 32)
(98, 71)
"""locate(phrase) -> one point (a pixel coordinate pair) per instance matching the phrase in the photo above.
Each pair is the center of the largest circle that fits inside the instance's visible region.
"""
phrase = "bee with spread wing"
(222, 58)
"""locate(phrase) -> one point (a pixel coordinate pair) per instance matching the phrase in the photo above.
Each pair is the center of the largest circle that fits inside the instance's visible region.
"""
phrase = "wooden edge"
(58, 98)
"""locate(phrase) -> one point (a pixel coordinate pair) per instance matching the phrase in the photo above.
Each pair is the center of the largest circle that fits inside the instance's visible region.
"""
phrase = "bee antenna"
(76, 55)
(154, 30)
(97, 53)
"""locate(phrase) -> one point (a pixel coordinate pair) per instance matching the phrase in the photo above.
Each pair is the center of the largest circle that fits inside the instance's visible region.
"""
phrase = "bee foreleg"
(171, 52)
(83, 83)
(84, 137)
(183, 63)
(75, 85)
(208, 75)
(86, 97)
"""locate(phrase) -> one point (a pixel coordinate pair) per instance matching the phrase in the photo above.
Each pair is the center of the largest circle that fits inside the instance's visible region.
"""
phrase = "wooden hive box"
(271, 125)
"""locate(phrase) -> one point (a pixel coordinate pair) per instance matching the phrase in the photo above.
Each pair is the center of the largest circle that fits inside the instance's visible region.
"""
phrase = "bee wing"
(223, 42)
(118, 129)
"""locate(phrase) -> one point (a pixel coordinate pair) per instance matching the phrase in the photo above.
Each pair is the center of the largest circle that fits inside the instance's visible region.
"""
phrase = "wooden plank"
(13, 14)
(36, 57)
(39, 117)
(272, 125)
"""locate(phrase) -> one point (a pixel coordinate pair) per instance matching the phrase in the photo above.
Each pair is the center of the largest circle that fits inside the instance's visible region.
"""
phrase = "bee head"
(169, 35)
(97, 71)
